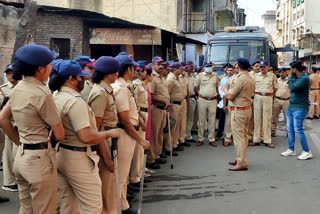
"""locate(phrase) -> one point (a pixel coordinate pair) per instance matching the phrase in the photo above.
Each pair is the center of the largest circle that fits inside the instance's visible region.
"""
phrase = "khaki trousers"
(9, 153)
(262, 112)
(239, 123)
(176, 115)
(251, 125)
(207, 111)
(2, 139)
(183, 124)
(190, 117)
(79, 183)
(227, 129)
(36, 175)
(138, 156)
(279, 105)
(126, 147)
(313, 98)
(158, 122)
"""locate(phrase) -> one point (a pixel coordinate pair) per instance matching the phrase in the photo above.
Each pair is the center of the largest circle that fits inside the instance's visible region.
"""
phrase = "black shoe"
(163, 155)
(178, 148)
(191, 141)
(309, 118)
(137, 185)
(316, 117)
(273, 134)
(185, 144)
(161, 161)
(130, 192)
(174, 154)
(129, 211)
(130, 197)
(153, 165)
(11, 188)
(132, 188)
(4, 199)
(194, 131)
(147, 180)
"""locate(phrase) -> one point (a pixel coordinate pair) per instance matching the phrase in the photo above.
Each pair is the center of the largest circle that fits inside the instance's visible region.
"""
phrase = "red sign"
(125, 36)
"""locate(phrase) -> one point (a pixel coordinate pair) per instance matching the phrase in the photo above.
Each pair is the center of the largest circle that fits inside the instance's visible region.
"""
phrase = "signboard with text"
(125, 36)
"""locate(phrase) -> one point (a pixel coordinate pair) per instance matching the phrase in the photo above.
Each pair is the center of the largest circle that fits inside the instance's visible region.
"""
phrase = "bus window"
(238, 50)
(218, 54)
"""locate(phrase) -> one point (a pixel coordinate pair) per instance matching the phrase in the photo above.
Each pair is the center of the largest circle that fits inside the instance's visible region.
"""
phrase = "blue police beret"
(142, 63)
(124, 59)
(226, 64)
(244, 62)
(9, 68)
(296, 64)
(314, 69)
(264, 64)
(107, 64)
(189, 63)
(255, 62)
(282, 69)
(207, 64)
(183, 64)
(166, 65)
(84, 60)
(34, 55)
(70, 68)
(176, 65)
(157, 59)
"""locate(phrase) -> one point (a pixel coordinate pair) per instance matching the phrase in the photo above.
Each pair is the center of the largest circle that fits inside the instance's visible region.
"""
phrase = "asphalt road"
(201, 183)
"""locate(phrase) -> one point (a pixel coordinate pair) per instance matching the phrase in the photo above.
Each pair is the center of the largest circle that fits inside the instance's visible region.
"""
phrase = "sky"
(254, 9)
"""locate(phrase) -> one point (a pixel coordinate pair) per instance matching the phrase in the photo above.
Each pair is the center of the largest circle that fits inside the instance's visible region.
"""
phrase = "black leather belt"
(176, 102)
(107, 128)
(159, 106)
(119, 125)
(37, 146)
(78, 149)
(144, 109)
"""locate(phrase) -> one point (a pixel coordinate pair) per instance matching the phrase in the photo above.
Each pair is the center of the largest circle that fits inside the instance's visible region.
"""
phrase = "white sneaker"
(305, 156)
(289, 152)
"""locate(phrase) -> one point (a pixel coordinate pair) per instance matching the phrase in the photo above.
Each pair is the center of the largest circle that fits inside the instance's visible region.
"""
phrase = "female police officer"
(34, 112)
(76, 157)
(102, 103)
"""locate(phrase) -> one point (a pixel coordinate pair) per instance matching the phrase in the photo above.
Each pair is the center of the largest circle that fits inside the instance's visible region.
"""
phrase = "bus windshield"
(252, 50)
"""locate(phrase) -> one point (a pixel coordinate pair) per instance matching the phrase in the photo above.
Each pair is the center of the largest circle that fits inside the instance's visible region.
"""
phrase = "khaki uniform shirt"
(207, 84)
(242, 87)
(191, 84)
(140, 94)
(75, 115)
(184, 82)
(175, 88)
(124, 100)
(5, 91)
(102, 104)
(283, 90)
(86, 90)
(265, 84)
(33, 110)
(314, 80)
(158, 87)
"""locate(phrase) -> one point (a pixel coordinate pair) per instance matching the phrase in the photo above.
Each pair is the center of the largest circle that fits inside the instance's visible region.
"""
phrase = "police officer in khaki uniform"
(239, 95)
(87, 66)
(281, 101)
(192, 102)
(10, 149)
(79, 183)
(129, 125)
(33, 109)
(102, 104)
(160, 103)
(176, 92)
(206, 86)
(314, 94)
(266, 88)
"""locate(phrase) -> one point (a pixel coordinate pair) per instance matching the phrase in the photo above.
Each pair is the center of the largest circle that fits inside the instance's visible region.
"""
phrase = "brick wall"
(51, 25)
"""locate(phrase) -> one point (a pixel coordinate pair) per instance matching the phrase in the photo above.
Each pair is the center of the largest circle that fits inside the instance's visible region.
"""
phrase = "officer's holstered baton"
(141, 184)
(114, 149)
(169, 139)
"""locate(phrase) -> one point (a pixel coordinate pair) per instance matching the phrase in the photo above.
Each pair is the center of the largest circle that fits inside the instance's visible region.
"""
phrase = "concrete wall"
(9, 20)
(162, 14)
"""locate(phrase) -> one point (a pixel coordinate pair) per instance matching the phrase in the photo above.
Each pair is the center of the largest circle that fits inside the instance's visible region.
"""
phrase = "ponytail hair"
(56, 80)
(23, 69)
(98, 76)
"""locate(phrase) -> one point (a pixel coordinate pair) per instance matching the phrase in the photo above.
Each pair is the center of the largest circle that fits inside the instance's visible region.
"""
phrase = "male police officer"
(281, 100)
(314, 94)
(206, 85)
(266, 88)
(239, 94)
(10, 148)
(87, 66)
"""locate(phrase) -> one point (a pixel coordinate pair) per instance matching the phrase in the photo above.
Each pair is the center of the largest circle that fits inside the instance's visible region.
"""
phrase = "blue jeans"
(295, 126)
